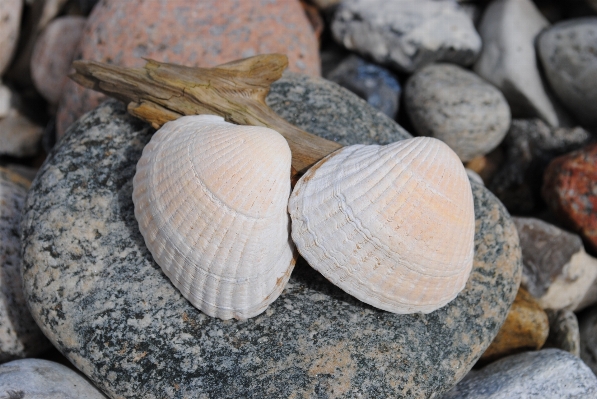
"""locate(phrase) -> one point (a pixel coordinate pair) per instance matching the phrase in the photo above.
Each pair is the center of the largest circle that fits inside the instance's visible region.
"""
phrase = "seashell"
(211, 201)
(391, 225)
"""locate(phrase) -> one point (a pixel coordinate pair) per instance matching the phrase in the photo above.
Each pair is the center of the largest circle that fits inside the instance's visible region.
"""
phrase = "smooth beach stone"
(10, 17)
(101, 299)
(43, 379)
(568, 53)
(408, 34)
(457, 107)
(509, 61)
(19, 335)
(330, 111)
(564, 332)
(203, 33)
(547, 374)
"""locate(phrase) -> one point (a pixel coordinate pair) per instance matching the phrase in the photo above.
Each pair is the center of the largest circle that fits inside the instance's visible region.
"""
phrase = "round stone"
(97, 293)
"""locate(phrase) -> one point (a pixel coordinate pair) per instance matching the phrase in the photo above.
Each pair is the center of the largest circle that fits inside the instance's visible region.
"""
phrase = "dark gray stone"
(98, 295)
(587, 324)
(19, 335)
(407, 34)
(529, 146)
(546, 374)
(563, 331)
(373, 83)
(42, 379)
(456, 106)
(568, 52)
(324, 108)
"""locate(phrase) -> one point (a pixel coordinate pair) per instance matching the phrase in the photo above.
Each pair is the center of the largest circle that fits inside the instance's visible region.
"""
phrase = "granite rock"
(19, 137)
(10, 15)
(19, 335)
(556, 269)
(97, 293)
(456, 106)
(587, 324)
(324, 108)
(508, 59)
(192, 33)
(525, 328)
(408, 34)
(568, 52)
(373, 83)
(53, 54)
(529, 147)
(43, 379)
(549, 374)
(563, 331)
(570, 190)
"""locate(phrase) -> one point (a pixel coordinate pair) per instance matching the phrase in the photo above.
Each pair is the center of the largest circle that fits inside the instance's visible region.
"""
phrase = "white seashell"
(391, 225)
(211, 201)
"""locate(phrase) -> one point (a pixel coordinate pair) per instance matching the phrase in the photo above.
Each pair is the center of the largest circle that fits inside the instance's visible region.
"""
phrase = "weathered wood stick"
(160, 92)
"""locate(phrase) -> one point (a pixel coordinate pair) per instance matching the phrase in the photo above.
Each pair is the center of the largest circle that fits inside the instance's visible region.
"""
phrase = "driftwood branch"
(159, 92)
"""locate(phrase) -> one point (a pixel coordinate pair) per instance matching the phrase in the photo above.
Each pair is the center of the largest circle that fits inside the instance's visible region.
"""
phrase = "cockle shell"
(391, 225)
(211, 201)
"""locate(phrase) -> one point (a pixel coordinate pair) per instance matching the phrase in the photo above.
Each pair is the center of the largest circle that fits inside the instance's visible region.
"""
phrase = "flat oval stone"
(96, 292)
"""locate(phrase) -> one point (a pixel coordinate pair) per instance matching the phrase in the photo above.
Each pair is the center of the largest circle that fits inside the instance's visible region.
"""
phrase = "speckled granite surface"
(95, 290)
(19, 335)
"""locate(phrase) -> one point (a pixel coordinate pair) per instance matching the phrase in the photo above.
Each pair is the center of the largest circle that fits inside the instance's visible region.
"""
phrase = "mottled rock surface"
(19, 335)
(53, 54)
(97, 293)
(563, 331)
(570, 190)
(456, 106)
(192, 33)
(549, 373)
(407, 34)
(373, 83)
(19, 137)
(587, 324)
(525, 328)
(556, 269)
(529, 147)
(568, 52)
(508, 59)
(10, 15)
(324, 108)
(42, 379)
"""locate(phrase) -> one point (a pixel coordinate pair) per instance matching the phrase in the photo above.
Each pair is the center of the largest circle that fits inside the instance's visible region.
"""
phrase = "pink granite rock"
(10, 22)
(189, 32)
(53, 54)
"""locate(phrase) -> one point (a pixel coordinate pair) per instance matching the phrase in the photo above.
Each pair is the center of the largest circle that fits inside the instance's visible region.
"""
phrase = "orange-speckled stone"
(189, 32)
(570, 189)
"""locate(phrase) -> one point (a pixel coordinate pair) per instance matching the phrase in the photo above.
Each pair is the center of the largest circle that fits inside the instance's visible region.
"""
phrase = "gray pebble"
(563, 331)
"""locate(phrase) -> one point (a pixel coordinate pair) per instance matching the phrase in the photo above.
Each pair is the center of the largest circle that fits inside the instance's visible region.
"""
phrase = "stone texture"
(556, 269)
(19, 335)
(525, 328)
(407, 34)
(10, 15)
(42, 379)
(456, 106)
(548, 374)
(330, 111)
(19, 137)
(568, 52)
(587, 324)
(5, 101)
(529, 147)
(570, 190)
(53, 54)
(102, 300)
(563, 331)
(192, 33)
(508, 59)
(373, 83)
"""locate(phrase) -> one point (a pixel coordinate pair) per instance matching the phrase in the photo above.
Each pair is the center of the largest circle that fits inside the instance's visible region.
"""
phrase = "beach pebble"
(456, 106)
(10, 17)
(568, 52)
(407, 34)
(509, 61)
(563, 331)
(587, 324)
